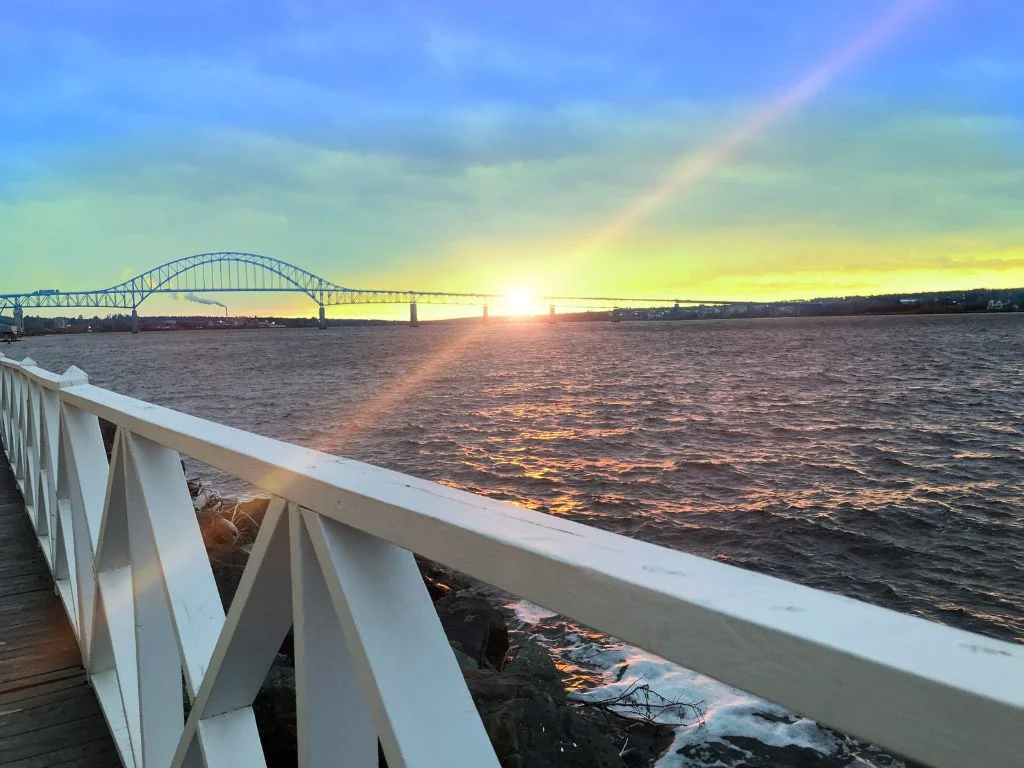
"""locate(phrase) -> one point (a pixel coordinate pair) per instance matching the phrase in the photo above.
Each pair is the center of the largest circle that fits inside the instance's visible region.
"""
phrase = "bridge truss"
(228, 272)
(233, 272)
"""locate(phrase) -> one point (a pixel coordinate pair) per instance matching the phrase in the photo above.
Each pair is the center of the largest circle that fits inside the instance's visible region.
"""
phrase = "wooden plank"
(18, 585)
(45, 688)
(49, 715)
(31, 662)
(56, 736)
(70, 704)
(95, 754)
(37, 640)
(26, 684)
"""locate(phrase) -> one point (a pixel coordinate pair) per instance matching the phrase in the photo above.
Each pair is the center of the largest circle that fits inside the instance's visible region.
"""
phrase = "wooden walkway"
(49, 715)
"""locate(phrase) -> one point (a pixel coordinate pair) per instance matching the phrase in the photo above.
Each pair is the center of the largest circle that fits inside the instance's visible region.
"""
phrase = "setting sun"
(519, 301)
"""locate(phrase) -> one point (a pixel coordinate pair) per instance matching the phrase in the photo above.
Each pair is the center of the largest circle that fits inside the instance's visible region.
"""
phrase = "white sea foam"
(720, 711)
(530, 614)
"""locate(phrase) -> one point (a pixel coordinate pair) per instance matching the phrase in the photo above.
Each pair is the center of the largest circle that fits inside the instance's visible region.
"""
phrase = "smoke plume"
(203, 300)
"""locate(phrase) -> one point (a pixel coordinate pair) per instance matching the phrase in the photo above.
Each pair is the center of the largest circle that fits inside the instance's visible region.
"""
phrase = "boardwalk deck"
(49, 715)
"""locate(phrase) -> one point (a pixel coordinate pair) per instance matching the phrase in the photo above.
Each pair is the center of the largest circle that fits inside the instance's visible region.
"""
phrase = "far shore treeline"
(939, 302)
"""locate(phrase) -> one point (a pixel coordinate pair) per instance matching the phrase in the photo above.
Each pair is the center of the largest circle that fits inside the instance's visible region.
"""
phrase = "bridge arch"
(225, 271)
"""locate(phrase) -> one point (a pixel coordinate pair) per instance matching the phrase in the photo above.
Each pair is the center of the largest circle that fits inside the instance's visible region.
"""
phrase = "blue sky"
(481, 146)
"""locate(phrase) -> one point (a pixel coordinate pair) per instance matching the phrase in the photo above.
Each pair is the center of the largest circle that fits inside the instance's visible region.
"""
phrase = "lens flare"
(694, 167)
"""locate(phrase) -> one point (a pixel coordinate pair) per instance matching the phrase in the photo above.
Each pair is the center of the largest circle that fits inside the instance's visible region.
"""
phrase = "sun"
(519, 301)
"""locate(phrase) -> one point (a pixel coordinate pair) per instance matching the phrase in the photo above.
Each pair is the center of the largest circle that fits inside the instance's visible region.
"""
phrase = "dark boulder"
(751, 753)
(228, 563)
(452, 581)
(107, 431)
(436, 589)
(476, 625)
(247, 516)
(532, 662)
(464, 660)
(216, 530)
(274, 708)
(531, 728)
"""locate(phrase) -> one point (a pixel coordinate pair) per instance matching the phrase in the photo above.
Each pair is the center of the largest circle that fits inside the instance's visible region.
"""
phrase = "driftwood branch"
(639, 703)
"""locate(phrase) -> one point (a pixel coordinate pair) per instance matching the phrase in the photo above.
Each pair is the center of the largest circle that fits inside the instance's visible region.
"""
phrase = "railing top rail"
(924, 689)
(41, 376)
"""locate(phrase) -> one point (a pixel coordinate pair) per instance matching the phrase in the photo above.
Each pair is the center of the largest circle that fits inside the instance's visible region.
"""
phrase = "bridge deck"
(49, 715)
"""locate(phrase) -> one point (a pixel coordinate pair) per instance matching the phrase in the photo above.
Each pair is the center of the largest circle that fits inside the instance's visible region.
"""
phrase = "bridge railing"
(334, 559)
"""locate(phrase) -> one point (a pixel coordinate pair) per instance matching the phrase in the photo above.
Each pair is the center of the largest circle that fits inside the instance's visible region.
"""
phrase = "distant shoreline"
(122, 324)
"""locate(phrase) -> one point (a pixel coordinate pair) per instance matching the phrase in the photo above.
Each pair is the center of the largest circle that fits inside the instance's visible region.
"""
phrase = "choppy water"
(880, 458)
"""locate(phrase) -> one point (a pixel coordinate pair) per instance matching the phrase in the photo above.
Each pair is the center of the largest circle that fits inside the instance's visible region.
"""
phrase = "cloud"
(826, 196)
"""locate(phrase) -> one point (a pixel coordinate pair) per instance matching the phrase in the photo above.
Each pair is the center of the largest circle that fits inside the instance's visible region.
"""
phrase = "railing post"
(83, 473)
(49, 411)
(332, 714)
(31, 448)
(3, 400)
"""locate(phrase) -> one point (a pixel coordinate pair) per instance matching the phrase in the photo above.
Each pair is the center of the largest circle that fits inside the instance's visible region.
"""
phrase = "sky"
(720, 149)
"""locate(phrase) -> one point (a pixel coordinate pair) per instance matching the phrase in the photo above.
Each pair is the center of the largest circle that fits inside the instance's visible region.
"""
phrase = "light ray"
(694, 167)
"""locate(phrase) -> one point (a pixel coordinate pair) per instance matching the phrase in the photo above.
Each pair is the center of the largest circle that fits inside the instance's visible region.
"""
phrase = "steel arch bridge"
(227, 272)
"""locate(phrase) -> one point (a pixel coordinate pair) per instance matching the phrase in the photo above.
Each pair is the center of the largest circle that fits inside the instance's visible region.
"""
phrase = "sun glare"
(519, 301)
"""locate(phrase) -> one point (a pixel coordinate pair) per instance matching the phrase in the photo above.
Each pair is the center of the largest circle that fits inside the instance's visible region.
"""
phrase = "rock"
(752, 753)
(274, 708)
(247, 516)
(532, 662)
(530, 728)
(107, 431)
(228, 563)
(640, 744)
(476, 625)
(464, 659)
(216, 530)
(436, 589)
(452, 580)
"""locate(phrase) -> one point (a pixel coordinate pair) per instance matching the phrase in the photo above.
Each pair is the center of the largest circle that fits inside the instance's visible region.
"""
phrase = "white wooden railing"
(334, 559)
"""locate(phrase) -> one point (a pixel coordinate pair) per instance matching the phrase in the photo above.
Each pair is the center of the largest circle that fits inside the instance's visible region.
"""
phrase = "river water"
(880, 457)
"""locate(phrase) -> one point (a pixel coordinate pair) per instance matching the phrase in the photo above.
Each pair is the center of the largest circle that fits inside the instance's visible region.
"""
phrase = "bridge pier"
(413, 319)
(19, 318)
(487, 316)
(135, 320)
(322, 325)
(551, 314)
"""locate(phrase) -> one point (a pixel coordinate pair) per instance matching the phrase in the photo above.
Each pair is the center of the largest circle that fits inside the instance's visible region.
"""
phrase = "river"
(878, 457)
